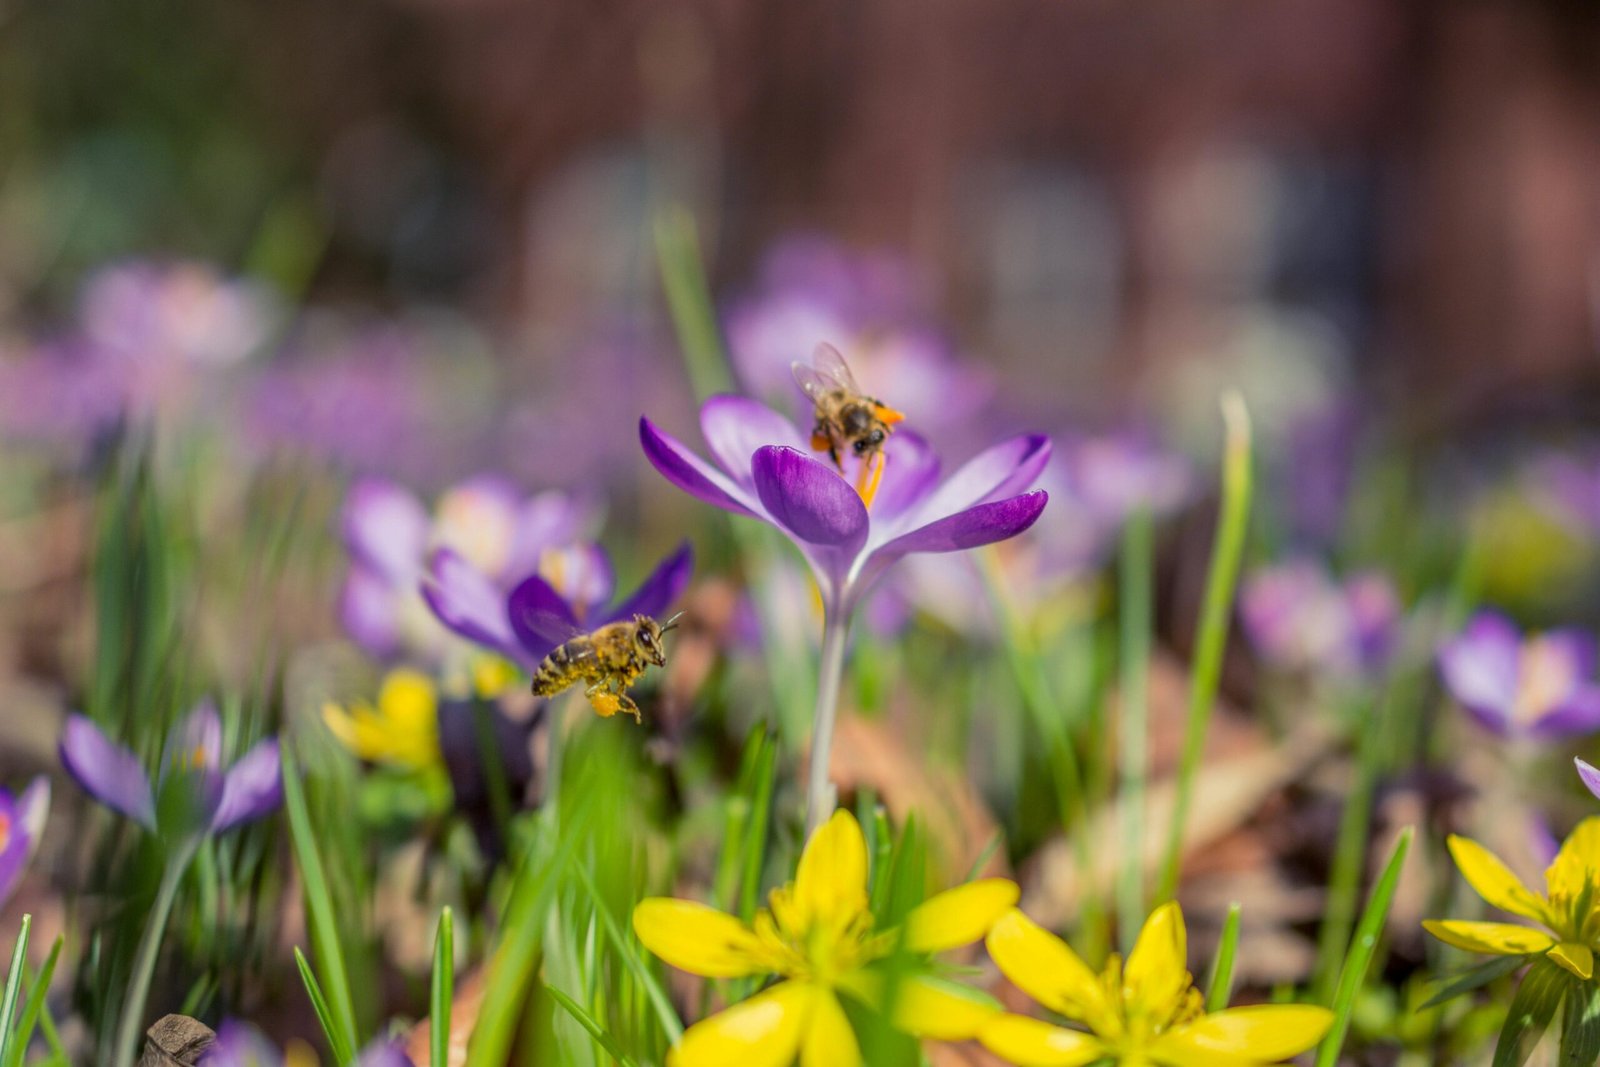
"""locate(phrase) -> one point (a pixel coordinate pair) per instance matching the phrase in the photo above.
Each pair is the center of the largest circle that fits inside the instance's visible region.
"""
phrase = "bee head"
(868, 442)
(647, 635)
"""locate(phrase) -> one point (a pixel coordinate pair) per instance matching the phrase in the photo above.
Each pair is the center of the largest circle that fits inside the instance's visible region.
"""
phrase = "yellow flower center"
(817, 948)
(1546, 677)
(1131, 1027)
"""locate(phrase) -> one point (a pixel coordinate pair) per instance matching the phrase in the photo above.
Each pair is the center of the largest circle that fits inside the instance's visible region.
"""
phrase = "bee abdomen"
(555, 673)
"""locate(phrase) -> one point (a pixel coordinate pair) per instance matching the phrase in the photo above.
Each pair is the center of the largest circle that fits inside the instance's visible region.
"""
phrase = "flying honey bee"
(610, 659)
(846, 418)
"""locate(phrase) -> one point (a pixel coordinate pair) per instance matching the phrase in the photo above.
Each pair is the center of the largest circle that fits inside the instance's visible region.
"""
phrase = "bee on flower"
(819, 936)
(1142, 1013)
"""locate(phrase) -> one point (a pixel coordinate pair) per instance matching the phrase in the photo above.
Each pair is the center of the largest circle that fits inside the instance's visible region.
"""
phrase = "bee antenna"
(671, 623)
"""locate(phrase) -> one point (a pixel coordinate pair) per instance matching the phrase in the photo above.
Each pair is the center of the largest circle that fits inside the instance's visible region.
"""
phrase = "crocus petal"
(466, 601)
(385, 527)
(1264, 1034)
(1032, 1043)
(106, 771)
(929, 1007)
(977, 526)
(1158, 967)
(657, 592)
(693, 475)
(253, 787)
(1574, 648)
(959, 916)
(736, 426)
(384, 1054)
(1574, 867)
(1576, 716)
(831, 882)
(1004, 470)
(1043, 966)
(540, 617)
(548, 520)
(809, 499)
(1493, 880)
(15, 847)
(1498, 939)
(911, 472)
(829, 1041)
(763, 1031)
(33, 811)
(1590, 776)
(1575, 957)
(369, 610)
(1480, 667)
(697, 939)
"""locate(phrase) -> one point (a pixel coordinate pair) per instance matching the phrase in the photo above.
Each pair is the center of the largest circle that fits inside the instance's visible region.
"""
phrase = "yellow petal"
(831, 883)
(1032, 1043)
(1578, 862)
(959, 916)
(1579, 959)
(1157, 971)
(930, 1007)
(764, 1031)
(697, 939)
(1493, 880)
(1265, 1034)
(829, 1041)
(1499, 939)
(1045, 967)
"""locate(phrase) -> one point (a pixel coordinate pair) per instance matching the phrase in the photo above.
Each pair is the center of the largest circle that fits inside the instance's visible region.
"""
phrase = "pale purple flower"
(493, 528)
(58, 393)
(1300, 618)
(545, 608)
(239, 1044)
(875, 309)
(1590, 776)
(767, 472)
(174, 314)
(1541, 686)
(1110, 477)
(22, 820)
(1569, 487)
(210, 798)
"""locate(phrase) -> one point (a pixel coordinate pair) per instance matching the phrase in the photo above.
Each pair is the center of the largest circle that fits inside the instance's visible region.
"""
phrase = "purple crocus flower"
(22, 820)
(484, 520)
(1112, 476)
(545, 608)
(239, 1044)
(1569, 487)
(1590, 775)
(1538, 687)
(1299, 618)
(766, 472)
(191, 791)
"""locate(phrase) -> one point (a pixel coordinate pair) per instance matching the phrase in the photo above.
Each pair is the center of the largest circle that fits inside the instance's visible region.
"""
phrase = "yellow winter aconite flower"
(1569, 910)
(402, 730)
(1144, 1014)
(818, 934)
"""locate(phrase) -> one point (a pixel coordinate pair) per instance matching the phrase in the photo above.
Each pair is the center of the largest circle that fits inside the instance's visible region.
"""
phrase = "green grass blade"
(1135, 593)
(343, 1051)
(1535, 1004)
(668, 1016)
(587, 1021)
(1216, 611)
(1476, 978)
(19, 1042)
(1362, 948)
(8, 1008)
(755, 842)
(320, 911)
(443, 991)
(1220, 988)
(683, 277)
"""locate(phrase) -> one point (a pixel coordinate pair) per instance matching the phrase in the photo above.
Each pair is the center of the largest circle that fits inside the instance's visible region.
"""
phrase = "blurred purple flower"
(239, 1044)
(873, 307)
(1299, 618)
(546, 608)
(58, 394)
(1590, 776)
(1319, 469)
(1539, 687)
(22, 820)
(484, 520)
(191, 791)
(767, 473)
(1110, 477)
(1569, 488)
(174, 314)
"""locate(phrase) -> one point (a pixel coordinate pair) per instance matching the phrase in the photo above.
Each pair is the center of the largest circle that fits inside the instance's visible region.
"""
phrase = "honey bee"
(846, 418)
(610, 659)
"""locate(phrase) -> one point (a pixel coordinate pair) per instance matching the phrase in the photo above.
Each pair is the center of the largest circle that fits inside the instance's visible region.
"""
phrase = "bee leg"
(604, 702)
(870, 475)
(625, 703)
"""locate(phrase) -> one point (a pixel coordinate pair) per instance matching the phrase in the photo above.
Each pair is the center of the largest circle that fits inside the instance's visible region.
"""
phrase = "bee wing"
(830, 364)
(815, 385)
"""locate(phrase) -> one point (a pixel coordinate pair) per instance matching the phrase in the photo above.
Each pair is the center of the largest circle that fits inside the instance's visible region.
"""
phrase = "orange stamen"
(870, 476)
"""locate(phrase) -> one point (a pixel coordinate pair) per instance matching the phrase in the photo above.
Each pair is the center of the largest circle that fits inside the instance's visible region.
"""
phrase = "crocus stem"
(144, 962)
(1132, 734)
(820, 794)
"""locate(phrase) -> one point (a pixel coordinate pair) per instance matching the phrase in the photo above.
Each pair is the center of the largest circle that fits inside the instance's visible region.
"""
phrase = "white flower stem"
(820, 794)
(144, 962)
